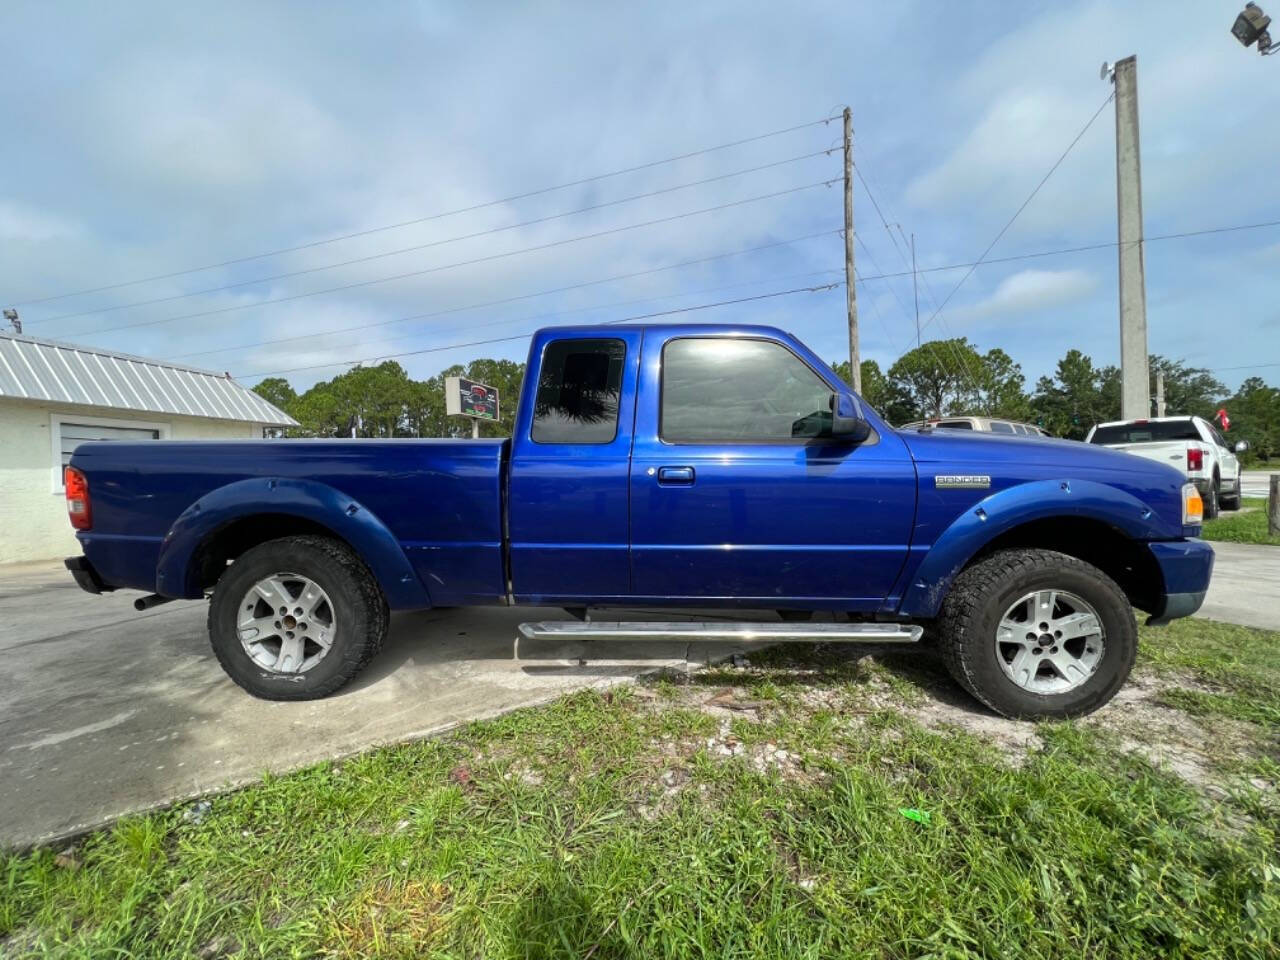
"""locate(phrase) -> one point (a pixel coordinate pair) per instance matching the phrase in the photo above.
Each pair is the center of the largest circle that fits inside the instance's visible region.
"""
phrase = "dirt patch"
(1201, 751)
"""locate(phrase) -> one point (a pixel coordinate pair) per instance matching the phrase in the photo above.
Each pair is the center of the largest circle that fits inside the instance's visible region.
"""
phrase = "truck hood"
(1009, 461)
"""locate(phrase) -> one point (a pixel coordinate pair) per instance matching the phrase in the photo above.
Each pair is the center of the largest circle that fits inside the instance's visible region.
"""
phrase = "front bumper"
(1186, 566)
(86, 576)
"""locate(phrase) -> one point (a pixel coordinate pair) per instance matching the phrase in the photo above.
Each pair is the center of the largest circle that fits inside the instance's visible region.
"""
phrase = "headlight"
(1192, 506)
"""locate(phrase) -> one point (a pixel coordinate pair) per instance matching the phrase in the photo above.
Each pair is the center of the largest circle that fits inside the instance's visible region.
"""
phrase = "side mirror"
(847, 422)
(1241, 446)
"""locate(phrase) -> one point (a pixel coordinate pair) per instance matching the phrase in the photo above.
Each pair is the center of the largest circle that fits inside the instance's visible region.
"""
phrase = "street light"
(1251, 27)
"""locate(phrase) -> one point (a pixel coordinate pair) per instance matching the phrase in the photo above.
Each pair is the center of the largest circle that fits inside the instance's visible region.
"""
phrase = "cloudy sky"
(144, 140)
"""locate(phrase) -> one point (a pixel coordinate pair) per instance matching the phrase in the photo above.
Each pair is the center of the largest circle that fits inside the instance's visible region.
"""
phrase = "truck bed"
(440, 499)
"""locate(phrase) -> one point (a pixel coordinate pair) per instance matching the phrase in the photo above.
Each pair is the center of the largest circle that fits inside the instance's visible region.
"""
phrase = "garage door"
(74, 434)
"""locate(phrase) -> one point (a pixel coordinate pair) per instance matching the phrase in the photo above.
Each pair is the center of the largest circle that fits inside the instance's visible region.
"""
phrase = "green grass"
(1239, 666)
(604, 825)
(1240, 526)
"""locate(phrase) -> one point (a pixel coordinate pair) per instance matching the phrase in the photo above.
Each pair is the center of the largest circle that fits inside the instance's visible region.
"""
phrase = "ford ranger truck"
(681, 466)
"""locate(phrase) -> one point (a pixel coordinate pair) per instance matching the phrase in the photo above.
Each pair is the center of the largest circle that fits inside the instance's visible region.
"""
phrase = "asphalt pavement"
(1256, 483)
(105, 711)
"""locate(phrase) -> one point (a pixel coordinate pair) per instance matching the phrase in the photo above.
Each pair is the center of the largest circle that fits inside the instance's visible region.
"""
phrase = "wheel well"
(1123, 559)
(230, 541)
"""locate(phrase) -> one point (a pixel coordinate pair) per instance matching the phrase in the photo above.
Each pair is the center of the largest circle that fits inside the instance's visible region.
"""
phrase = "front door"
(736, 496)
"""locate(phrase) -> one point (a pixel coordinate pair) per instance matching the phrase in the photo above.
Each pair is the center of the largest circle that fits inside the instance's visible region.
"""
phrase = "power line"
(471, 262)
(432, 243)
(519, 297)
(962, 366)
(521, 336)
(554, 314)
(435, 216)
(954, 351)
(1104, 245)
(1017, 213)
(721, 256)
(1247, 366)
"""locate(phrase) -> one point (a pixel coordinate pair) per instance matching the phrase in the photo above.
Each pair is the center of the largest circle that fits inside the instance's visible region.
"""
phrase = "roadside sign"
(466, 398)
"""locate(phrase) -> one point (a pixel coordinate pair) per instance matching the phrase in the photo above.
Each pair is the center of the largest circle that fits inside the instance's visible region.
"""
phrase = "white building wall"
(33, 518)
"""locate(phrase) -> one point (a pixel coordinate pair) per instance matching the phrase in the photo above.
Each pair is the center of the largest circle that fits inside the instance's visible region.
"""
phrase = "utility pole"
(915, 288)
(1159, 393)
(851, 293)
(1134, 374)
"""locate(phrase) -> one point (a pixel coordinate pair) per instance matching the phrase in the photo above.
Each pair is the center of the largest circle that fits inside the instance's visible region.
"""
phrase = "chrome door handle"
(676, 476)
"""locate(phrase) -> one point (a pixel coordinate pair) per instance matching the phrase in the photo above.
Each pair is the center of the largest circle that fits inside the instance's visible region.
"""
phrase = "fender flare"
(1012, 507)
(319, 503)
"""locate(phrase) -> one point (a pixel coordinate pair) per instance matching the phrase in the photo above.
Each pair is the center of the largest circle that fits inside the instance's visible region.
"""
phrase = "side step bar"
(723, 630)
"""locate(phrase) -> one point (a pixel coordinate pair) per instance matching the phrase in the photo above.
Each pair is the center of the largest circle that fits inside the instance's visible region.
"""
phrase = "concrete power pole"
(851, 293)
(1159, 393)
(1134, 375)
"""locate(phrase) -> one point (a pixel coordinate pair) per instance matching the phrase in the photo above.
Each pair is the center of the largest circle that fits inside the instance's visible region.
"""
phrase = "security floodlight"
(1251, 27)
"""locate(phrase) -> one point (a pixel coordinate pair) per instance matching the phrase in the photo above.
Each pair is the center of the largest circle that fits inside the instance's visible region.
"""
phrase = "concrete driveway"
(104, 711)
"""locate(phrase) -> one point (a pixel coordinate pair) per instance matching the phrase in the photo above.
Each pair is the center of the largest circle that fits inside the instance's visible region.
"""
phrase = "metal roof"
(35, 369)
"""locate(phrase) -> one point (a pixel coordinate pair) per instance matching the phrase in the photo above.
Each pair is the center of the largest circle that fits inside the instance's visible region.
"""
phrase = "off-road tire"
(979, 598)
(359, 608)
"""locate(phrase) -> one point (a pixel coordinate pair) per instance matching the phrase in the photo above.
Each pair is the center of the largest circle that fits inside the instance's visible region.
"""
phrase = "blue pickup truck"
(674, 466)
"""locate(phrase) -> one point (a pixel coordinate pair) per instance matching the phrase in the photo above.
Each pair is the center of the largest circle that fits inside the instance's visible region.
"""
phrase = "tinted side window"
(999, 426)
(716, 388)
(954, 425)
(578, 391)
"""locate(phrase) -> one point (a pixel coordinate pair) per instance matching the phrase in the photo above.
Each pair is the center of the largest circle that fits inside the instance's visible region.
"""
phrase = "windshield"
(1150, 432)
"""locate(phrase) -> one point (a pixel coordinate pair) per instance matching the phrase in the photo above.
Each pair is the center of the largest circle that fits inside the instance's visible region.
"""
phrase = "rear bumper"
(86, 576)
(1186, 566)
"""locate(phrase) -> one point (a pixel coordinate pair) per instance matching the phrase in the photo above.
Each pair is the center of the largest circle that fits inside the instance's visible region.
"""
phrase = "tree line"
(938, 378)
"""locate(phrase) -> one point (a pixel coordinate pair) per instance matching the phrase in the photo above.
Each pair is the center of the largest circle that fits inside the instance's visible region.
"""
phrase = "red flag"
(1222, 418)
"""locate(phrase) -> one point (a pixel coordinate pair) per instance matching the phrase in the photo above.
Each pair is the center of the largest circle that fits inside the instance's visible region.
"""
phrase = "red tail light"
(1195, 458)
(78, 509)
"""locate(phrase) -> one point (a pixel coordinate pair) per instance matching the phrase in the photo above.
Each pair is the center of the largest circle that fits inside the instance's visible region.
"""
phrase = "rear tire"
(330, 624)
(1211, 508)
(1231, 502)
(983, 641)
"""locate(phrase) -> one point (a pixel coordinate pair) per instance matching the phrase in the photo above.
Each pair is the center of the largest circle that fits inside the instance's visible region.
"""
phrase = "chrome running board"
(710, 630)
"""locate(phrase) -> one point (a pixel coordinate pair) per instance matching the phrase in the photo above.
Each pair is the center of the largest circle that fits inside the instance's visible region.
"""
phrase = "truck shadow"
(477, 640)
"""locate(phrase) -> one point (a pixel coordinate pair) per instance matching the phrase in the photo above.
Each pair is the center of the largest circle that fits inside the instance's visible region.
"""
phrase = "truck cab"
(699, 464)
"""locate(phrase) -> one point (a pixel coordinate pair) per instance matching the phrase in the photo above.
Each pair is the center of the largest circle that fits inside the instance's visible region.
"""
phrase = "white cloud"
(1030, 291)
(1028, 94)
(19, 223)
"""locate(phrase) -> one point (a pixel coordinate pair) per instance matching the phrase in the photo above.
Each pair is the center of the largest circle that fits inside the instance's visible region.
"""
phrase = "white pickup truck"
(1193, 445)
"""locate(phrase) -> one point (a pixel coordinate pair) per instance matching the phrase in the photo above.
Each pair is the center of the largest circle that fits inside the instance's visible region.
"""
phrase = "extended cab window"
(999, 426)
(578, 390)
(717, 388)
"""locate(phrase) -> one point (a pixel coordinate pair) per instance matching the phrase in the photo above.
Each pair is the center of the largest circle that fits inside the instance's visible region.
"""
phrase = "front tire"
(1038, 634)
(296, 618)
